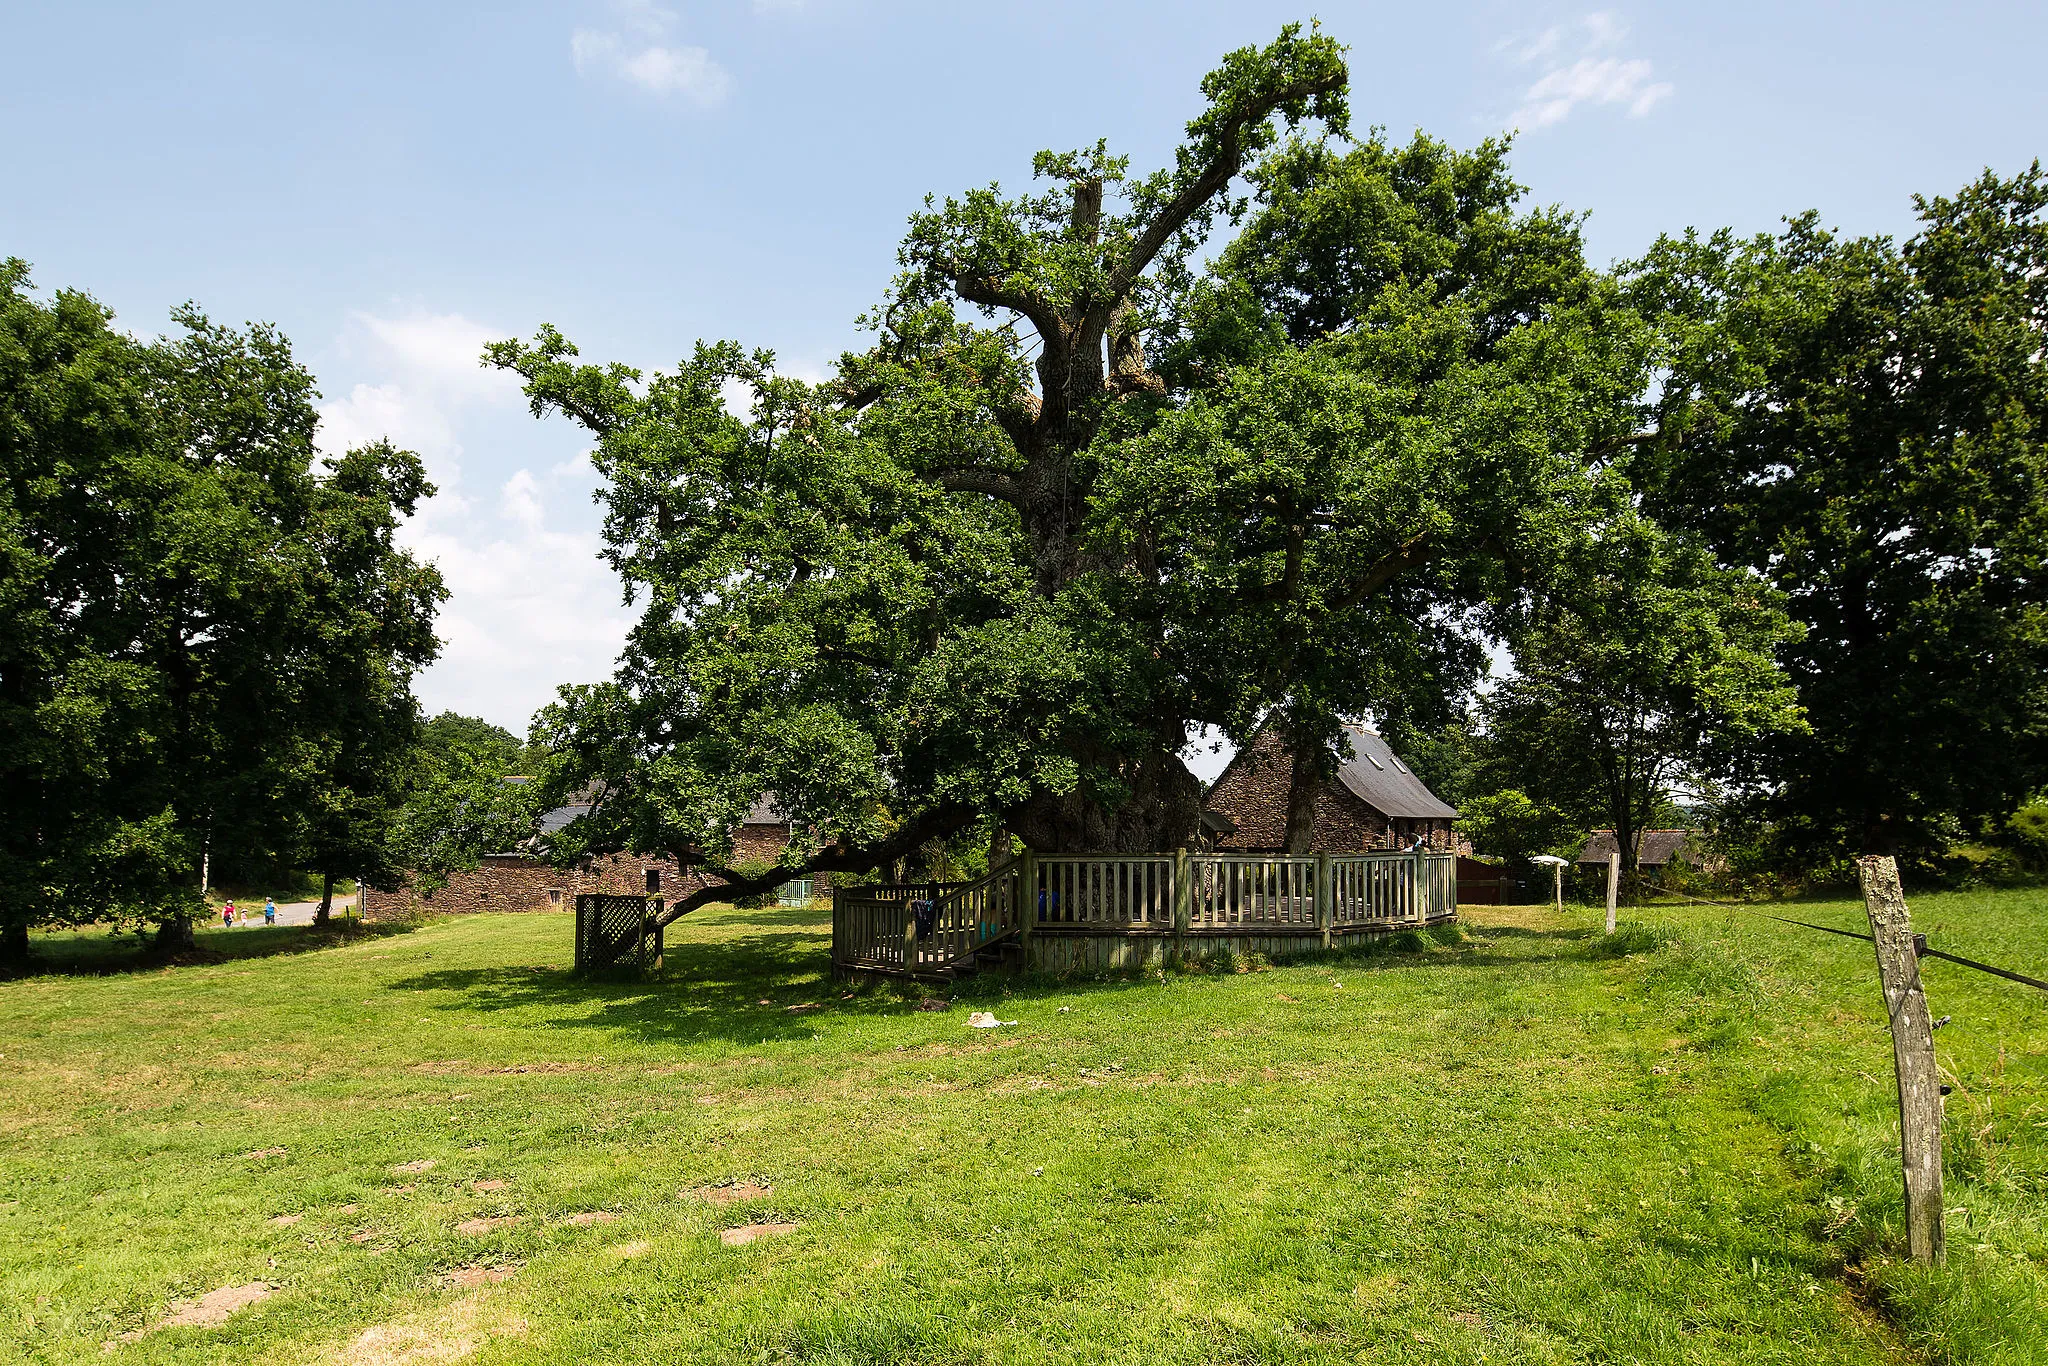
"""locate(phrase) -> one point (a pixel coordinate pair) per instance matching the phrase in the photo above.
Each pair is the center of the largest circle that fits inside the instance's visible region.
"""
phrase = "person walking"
(270, 910)
(227, 916)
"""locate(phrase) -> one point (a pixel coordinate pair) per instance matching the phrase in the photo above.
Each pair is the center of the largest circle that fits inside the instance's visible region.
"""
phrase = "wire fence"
(1920, 945)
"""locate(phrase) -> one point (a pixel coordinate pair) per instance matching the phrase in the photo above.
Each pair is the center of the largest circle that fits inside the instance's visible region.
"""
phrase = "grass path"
(1518, 1148)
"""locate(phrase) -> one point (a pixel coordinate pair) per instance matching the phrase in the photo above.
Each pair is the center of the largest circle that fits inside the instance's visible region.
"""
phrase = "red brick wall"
(1253, 793)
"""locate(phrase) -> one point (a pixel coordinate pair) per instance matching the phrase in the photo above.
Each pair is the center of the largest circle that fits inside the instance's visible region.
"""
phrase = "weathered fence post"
(1898, 969)
(1613, 885)
(1183, 901)
(1324, 896)
(1416, 885)
(1027, 896)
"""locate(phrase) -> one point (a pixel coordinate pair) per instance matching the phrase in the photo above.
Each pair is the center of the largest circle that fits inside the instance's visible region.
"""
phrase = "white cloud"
(1606, 80)
(643, 56)
(1576, 73)
(531, 606)
(519, 500)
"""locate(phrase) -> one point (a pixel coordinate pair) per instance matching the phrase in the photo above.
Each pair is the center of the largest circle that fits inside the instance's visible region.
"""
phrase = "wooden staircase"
(945, 933)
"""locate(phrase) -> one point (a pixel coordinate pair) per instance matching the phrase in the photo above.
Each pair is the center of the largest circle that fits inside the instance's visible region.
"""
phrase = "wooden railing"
(1180, 894)
(1087, 889)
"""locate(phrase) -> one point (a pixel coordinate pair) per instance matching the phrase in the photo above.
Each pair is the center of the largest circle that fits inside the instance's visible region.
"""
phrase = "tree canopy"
(206, 644)
(1083, 494)
(1865, 425)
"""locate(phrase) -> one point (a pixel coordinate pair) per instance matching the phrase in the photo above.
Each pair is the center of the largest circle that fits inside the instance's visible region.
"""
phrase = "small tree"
(1650, 671)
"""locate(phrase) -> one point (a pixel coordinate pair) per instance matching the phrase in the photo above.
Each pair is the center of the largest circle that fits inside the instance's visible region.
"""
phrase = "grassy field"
(1526, 1146)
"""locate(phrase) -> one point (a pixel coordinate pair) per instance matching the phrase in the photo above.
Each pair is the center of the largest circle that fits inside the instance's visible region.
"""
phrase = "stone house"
(1654, 848)
(521, 882)
(1375, 801)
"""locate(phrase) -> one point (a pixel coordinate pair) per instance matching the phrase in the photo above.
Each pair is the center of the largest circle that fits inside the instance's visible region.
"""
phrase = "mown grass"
(1528, 1145)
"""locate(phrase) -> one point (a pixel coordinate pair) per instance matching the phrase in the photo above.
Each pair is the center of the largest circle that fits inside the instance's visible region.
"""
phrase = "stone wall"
(1253, 793)
(513, 882)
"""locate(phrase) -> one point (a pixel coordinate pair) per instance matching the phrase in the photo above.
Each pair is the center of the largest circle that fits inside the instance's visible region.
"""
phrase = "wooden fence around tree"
(933, 928)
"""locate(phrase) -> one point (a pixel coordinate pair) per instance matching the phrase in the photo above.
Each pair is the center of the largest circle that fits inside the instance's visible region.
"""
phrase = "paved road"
(288, 912)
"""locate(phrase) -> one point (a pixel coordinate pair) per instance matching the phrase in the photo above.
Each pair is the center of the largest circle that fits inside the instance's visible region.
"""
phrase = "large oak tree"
(1084, 493)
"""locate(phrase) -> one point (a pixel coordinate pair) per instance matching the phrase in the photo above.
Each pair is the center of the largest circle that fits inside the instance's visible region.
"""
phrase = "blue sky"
(394, 184)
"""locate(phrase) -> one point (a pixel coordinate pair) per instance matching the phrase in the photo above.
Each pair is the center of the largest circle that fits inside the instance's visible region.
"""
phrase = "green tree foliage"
(999, 566)
(205, 644)
(367, 627)
(1512, 825)
(458, 806)
(1395, 392)
(1862, 423)
(1648, 670)
(494, 747)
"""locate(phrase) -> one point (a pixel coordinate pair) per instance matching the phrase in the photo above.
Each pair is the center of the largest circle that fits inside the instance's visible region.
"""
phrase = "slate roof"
(1376, 775)
(763, 812)
(1655, 848)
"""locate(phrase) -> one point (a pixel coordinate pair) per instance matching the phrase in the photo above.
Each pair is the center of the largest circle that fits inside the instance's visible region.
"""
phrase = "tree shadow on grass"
(762, 987)
(106, 953)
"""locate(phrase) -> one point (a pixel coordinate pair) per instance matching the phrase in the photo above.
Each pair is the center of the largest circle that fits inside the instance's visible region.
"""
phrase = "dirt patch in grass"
(265, 1152)
(591, 1216)
(626, 1252)
(731, 1192)
(209, 1310)
(747, 1233)
(470, 1277)
(477, 1227)
(487, 1186)
(286, 1220)
(425, 1164)
(433, 1339)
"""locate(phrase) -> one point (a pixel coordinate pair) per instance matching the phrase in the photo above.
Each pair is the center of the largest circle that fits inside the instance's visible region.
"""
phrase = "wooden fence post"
(1613, 885)
(1027, 896)
(1183, 901)
(1898, 969)
(1323, 896)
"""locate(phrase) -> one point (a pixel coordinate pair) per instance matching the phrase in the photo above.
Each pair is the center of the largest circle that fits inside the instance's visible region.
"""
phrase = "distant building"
(519, 881)
(1655, 848)
(1374, 802)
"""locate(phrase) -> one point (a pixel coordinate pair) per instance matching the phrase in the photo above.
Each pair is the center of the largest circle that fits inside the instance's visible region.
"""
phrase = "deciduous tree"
(1865, 424)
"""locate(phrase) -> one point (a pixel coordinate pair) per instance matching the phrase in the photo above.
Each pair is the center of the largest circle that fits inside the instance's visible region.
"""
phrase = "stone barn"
(1374, 802)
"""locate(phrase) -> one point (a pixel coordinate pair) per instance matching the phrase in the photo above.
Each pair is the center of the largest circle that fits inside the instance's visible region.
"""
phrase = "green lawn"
(1522, 1147)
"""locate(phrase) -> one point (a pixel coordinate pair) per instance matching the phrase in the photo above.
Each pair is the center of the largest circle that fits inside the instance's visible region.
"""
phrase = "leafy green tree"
(1648, 672)
(368, 629)
(1862, 423)
(996, 572)
(493, 746)
(1512, 825)
(171, 641)
(458, 806)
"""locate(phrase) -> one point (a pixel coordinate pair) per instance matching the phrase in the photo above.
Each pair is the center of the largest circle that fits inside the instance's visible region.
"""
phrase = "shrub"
(2028, 827)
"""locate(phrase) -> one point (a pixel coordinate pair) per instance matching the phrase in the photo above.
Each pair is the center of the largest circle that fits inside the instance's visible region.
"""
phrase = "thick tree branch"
(990, 292)
(934, 824)
(1229, 160)
(1414, 551)
(977, 479)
